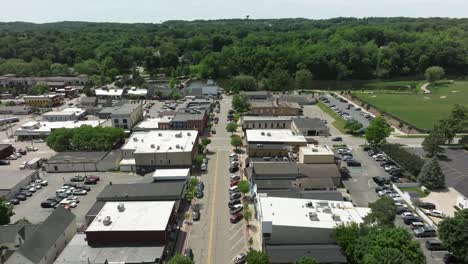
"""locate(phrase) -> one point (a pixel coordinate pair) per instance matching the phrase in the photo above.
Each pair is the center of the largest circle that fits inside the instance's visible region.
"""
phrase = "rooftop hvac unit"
(159, 134)
(152, 146)
(309, 205)
(107, 221)
(336, 217)
(313, 216)
(178, 135)
(135, 139)
(314, 150)
(158, 147)
(269, 134)
(177, 146)
(188, 134)
(121, 207)
(263, 133)
(327, 210)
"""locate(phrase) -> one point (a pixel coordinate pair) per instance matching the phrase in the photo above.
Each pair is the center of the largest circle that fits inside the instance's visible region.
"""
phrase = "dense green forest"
(270, 50)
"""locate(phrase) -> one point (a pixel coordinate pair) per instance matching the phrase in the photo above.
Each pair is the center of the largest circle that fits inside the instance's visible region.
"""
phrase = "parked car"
(90, 181)
(379, 180)
(29, 148)
(93, 177)
(402, 209)
(22, 151)
(233, 202)
(449, 258)
(62, 195)
(233, 189)
(425, 231)
(434, 245)
(236, 218)
(200, 186)
(80, 191)
(337, 139)
(4, 162)
(27, 193)
(240, 258)
(196, 214)
(436, 213)
(381, 188)
(77, 178)
(14, 201)
(42, 182)
(199, 194)
(236, 209)
(416, 225)
(82, 186)
(234, 183)
(69, 203)
(233, 169)
(353, 163)
(234, 177)
(49, 204)
(234, 195)
(428, 206)
(21, 197)
(407, 214)
(410, 219)
(188, 253)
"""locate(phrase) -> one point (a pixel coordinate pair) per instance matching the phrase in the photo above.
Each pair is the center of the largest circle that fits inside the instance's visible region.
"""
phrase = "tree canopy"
(431, 175)
(231, 127)
(306, 260)
(383, 212)
(256, 257)
(179, 259)
(85, 138)
(452, 232)
(240, 103)
(6, 211)
(377, 131)
(434, 73)
(236, 141)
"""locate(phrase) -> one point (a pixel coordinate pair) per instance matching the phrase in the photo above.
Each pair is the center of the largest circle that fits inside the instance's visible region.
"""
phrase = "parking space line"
(237, 232)
(241, 239)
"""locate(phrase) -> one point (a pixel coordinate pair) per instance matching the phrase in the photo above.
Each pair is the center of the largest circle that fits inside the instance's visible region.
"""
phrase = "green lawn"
(390, 87)
(339, 122)
(421, 110)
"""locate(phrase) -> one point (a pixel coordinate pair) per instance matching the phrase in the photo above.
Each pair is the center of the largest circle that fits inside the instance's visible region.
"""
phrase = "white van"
(233, 189)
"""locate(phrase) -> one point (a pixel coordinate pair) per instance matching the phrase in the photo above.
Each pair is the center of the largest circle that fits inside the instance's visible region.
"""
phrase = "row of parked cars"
(388, 165)
(234, 204)
(28, 191)
(67, 195)
(347, 156)
(233, 162)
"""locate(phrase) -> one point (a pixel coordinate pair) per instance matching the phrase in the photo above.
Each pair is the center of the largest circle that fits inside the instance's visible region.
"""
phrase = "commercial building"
(15, 110)
(171, 175)
(201, 91)
(88, 101)
(197, 120)
(290, 224)
(9, 80)
(137, 93)
(289, 254)
(11, 181)
(127, 115)
(12, 236)
(156, 123)
(6, 150)
(70, 91)
(48, 240)
(84, 161)
(310, 126)
(315, 154)
(266, 122)
(159, 149)
(275, 108)
(35, 129)
(45, 101)
(111, 93)
(272, 142)
(67, 114)
(152, 191)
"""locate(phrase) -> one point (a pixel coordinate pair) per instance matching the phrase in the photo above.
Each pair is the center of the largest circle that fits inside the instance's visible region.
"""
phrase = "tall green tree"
(432, 143)
(303, 79)
(454, 235)
(434, 73)
(243, 83)
(240, 103)
(231, 127)
(236, 141)
(431, 175)
(244, 186)
(39, 89)
(256, 257)
(383, 212)
(6, 211)
(377, 131)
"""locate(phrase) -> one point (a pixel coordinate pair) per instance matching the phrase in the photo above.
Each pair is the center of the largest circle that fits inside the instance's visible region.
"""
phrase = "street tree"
(243, 83)
(434, 73)
(191, 189)
(352, 126)
(236, 141)
(6, 211)
(231, 127)
(306, 260)
(247, 214)
(303, 79)
(205, 141)
(256, 257)
(198, 160)
(179, 259)
(243, 186)
(453, 233)
(432, 143)
(377, 131)
(383, 212)
(240, 103)
(431, 175)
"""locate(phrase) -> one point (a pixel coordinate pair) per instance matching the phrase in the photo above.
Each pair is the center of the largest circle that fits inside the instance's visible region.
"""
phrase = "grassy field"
(339, 122)
(421, 110)
(391, 87)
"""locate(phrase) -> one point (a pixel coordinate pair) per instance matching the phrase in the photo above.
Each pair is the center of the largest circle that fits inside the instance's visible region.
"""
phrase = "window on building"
(124, 121)
(284, 125)
(271, 125)
(168, 161)
(116, 121)
(125, 126)
(152, 162)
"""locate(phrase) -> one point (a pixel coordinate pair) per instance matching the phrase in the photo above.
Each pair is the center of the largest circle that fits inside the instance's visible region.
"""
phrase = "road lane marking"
(237, 232)
(241, 239)
(215, 185)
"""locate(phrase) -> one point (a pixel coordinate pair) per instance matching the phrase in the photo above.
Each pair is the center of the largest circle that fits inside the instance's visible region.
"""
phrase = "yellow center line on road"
(213, 201)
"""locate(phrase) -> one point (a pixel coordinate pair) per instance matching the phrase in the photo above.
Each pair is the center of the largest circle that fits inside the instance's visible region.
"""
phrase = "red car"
(234, 183)
(93, 177)
(235, 218)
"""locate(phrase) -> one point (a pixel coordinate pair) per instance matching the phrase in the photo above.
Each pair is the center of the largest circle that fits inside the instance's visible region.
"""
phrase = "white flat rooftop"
(317, 150)
(273, 135)
(266, 118)
(109, 92)
(153, 123)
(162, 141)
(171, 173)
(127, 162)
(137, 91)
(321, 214)
(137, 216)
(45, 126)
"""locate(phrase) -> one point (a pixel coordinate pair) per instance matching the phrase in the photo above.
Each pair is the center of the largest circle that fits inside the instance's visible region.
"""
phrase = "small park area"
(420, 110)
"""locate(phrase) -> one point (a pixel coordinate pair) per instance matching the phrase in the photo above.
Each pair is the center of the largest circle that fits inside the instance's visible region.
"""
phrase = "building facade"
(45, 101)
(127, 115)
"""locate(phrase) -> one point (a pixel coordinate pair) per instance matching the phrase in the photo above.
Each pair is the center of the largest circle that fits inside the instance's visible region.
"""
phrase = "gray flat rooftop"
(160, 191)
(9, 178)
(78, 252)
(75, 157)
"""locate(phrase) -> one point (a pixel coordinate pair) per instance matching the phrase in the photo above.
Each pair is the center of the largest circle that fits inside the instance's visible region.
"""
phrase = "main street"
(214, 239)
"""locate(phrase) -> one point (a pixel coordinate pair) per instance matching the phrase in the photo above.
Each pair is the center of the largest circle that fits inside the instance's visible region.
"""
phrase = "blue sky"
(155, 11)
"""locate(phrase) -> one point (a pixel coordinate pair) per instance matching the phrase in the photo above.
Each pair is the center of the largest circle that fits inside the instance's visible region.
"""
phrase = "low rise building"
(153, 150)
(48, 240)
(12, 237)
(6, 150)
(84, 161)
(314, 154)
(44, 101)
(15, 110)
(272, 142)
(293, 225)
(266, 122)
(34, 129)
(88, 101)
(111, 93)
(9, 80)
(171, 175)
(256, 95)
(194, 120)
(67, 114)
(127, 115)
(137, 93)
(310, 126)
(13, 180)
(70, 91)
(275, 108)
(156, 123)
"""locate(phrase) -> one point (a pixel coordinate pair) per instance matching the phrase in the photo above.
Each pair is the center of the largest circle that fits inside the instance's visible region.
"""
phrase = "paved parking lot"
(31, 209)
(356, 115)
(455, 167)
